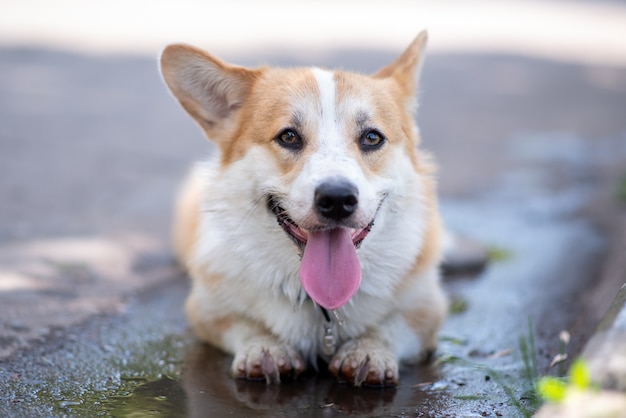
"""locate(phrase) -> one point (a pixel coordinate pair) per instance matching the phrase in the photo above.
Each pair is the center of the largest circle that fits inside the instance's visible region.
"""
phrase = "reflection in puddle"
(211, 390)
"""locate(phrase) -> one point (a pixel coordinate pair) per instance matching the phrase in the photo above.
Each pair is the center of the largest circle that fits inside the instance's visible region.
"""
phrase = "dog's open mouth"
(299, 235)
(330, 271)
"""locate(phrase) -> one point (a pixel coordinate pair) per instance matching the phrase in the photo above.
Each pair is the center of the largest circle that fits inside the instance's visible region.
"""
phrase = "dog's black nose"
(336, 199)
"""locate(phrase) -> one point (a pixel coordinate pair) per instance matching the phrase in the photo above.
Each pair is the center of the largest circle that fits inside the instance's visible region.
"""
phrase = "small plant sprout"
(554, 389)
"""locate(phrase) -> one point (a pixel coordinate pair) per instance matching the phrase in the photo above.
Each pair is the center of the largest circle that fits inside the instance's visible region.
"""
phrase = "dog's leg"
(258, 354)
(425, 318)
(264, 357)
(409, 335)
(372, 358)
(366, 360)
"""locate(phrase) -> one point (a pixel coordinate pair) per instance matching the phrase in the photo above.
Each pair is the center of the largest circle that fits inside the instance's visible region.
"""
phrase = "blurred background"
(574, 31)
(522, 103)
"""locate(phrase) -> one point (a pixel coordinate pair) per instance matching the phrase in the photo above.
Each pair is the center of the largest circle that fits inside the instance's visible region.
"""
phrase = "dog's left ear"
(407, 67)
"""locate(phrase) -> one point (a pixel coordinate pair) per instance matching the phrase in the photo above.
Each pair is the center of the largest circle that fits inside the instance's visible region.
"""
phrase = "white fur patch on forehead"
(327, 124)
(326, 85)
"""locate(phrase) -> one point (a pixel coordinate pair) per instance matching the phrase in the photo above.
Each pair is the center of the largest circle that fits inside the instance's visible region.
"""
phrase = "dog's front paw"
(266, 358)
(365, 362)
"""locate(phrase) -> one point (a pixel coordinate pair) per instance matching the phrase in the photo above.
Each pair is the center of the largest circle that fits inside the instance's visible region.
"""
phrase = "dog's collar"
(329, 342)
(326, 314)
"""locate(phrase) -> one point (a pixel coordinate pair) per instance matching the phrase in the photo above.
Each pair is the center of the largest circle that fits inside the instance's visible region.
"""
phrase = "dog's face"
(325, 150)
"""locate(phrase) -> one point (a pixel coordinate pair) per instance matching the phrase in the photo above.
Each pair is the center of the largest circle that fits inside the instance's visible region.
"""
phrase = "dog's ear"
(209, 89)
(407, 67)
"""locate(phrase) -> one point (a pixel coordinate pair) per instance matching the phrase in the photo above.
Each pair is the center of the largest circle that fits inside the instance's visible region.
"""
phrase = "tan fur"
(268, 96)
(211, 330)
(186, 219)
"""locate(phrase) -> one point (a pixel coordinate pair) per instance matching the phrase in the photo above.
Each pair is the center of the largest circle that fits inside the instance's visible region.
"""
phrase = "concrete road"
(91, 149)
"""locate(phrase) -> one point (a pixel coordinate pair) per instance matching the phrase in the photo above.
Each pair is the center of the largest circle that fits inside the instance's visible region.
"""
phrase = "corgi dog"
(313, 232)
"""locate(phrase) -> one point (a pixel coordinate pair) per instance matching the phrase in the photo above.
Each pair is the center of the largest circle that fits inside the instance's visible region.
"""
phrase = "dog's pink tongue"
(330, 272)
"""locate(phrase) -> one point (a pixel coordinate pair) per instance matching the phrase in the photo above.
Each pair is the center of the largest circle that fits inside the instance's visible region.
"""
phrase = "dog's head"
(326, 149)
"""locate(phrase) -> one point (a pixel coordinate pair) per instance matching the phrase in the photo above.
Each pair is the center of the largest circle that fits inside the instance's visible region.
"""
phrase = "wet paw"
(265, 358)
(365, 362)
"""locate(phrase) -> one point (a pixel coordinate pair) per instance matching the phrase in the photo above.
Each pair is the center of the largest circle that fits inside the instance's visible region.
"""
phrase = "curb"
(605, 353)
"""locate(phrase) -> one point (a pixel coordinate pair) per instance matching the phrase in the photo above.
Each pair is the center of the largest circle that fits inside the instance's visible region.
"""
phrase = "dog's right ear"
(210, 90)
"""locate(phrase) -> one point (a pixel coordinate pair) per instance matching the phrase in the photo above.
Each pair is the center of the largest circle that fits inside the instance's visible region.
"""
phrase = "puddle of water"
(135, 397)
(206, 388)
(164, 397)
(210, 387)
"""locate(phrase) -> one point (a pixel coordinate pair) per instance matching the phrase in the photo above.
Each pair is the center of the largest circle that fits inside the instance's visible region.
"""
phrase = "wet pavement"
(531, 154)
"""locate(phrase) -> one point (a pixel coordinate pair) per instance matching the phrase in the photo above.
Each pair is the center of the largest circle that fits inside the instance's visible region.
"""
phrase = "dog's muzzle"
(300, 236)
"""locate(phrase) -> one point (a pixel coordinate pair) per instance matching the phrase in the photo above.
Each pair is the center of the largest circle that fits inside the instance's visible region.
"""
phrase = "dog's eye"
(289, 139)
(371, 140)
